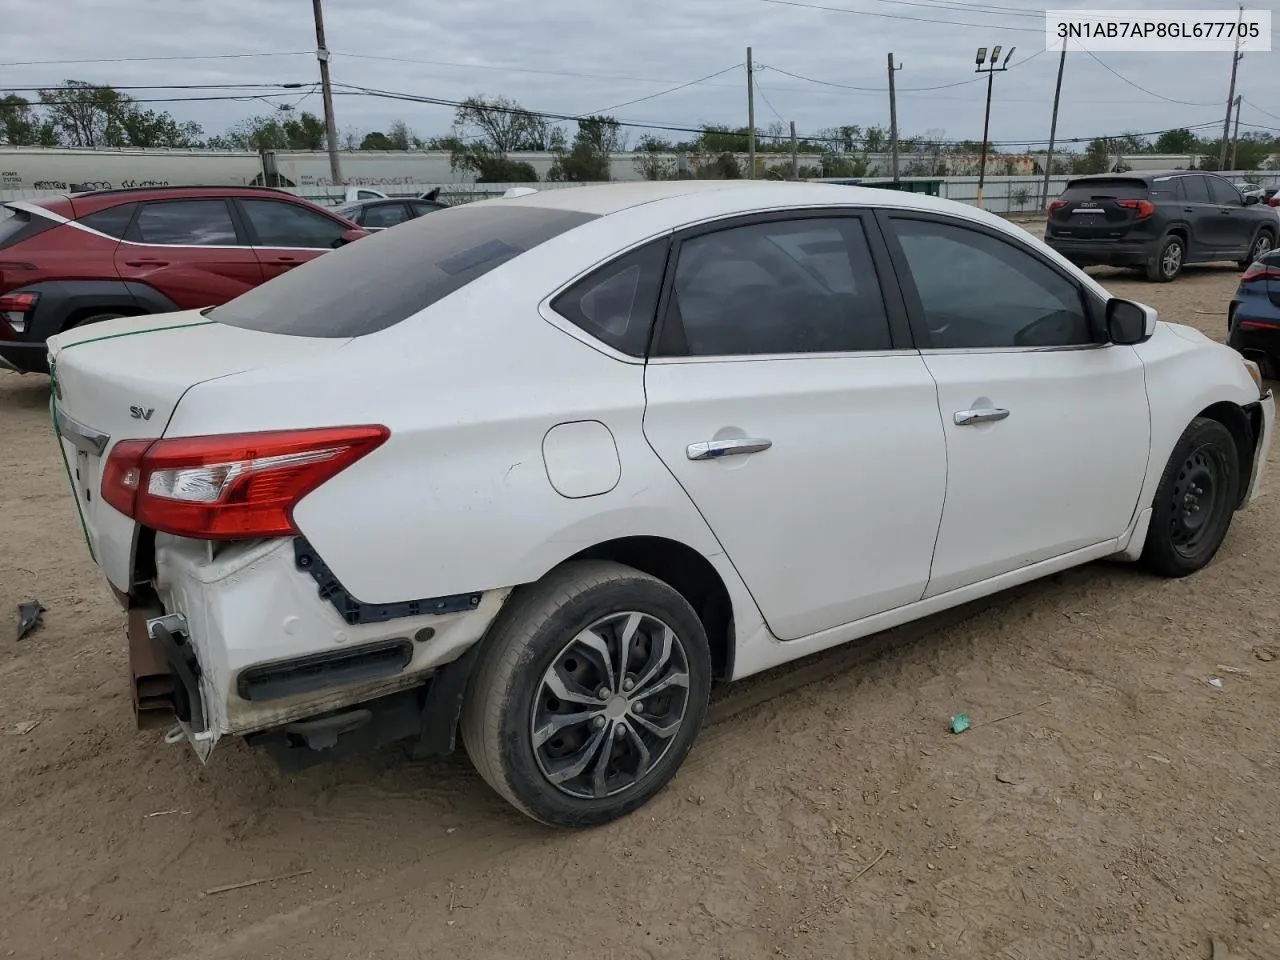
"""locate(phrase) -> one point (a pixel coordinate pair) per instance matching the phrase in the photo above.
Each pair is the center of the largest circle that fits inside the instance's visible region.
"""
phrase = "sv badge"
(138, 413)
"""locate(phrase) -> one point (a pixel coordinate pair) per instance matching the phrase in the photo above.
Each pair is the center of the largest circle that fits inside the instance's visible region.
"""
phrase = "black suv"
(1158, 222)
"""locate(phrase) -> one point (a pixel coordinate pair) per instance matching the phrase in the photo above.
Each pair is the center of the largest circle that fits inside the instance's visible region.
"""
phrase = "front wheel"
(588, 694)
(1168, 261)
(1195, 501)
(1262, 245)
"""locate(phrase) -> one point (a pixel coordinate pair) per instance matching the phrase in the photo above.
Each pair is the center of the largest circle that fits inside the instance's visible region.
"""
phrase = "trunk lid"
(1091, 209)
(122, 380)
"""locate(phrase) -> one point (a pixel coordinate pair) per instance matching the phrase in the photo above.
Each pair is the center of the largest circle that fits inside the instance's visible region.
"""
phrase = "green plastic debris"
(960, 723)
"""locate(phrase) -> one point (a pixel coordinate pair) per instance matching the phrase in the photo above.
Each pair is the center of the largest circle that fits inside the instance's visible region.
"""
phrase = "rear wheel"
(1195, 501)
(588, 694)
(1168, 262)
(1262, 245)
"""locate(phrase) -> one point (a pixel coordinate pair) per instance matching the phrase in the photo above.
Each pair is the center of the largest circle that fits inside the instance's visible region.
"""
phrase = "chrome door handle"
(965, 418)
(713, 449)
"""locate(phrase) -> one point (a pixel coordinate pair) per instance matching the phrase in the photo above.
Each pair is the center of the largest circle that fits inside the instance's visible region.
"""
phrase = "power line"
(663, 93)
(940, 86)
(764, 97)
(978, 8)
(208, 56)
(1260, 110)
(504, 68)
(1137, 86)
(902, 16)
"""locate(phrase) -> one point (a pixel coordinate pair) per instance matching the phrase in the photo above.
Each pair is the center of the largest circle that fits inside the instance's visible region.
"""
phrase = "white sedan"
(540, 469)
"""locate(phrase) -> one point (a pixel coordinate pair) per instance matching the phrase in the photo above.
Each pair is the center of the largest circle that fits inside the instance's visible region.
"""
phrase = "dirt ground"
(1108, 802)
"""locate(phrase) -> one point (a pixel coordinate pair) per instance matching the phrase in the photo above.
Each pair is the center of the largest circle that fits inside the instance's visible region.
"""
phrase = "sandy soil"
(1129, 808)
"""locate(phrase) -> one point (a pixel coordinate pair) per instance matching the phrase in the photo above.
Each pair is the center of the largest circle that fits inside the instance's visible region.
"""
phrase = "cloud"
(574, 56)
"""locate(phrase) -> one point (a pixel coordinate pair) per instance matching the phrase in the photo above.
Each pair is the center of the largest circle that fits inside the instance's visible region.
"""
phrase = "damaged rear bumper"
(244, 643)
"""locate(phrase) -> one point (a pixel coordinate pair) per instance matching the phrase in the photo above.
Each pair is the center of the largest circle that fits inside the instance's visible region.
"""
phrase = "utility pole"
(795, 155)
(330, 128)
(1231, 94)
(750, 115)
(893, 117)
(990, 70)
(1235, 134)
(1053, 124)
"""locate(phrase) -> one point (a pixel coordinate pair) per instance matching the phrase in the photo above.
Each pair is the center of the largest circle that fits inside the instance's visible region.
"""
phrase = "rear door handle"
(713, 449)
(966, 418)
(146, 263)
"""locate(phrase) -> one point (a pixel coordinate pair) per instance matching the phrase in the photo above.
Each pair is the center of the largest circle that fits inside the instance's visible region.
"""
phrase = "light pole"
(990, 68)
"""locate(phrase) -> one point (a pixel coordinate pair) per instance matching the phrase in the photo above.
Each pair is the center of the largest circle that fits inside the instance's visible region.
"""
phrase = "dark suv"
(1158, 222)
(71, 260)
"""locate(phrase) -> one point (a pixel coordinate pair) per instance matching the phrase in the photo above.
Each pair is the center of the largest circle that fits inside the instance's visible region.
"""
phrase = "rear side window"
(379, 280)
(185, 223)
(1169, 189)
(617, 302)
(18, 225)
(1106, 188)
(385, 215)
(113, 221)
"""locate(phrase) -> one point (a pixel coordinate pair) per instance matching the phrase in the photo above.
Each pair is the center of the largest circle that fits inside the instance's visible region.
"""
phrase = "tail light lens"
(1274, 200)
(229, 487)
(14, 308)
(1055, 206)
(1260, 271)
(1144, 207)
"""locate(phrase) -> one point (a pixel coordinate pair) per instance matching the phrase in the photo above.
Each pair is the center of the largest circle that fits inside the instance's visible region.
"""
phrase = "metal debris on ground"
(1215, 682)
(23, 727)
(29, 616)
(253, 883)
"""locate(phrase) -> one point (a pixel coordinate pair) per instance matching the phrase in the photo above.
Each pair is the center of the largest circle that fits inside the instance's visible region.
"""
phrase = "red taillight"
(18, 302)
(1056, 205)
(229, 487)
(1260, 271)
(1274, 200)
(1144, 207)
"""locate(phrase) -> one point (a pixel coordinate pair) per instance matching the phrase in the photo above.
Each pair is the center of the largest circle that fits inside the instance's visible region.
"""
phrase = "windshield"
(377, 281)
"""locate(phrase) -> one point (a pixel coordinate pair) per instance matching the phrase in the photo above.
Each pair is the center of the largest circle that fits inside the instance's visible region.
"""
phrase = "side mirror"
(1130, 323)
(348, 237)
(1250, 199)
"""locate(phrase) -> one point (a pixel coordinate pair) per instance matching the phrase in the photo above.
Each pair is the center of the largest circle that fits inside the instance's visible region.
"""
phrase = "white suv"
(540, 468)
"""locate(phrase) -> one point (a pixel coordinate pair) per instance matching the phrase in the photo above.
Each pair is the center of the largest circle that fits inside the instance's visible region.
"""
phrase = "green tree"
(654, 160)
(1181, 140)
(376, 141)
(21, 126)
(486, 130)
(89, 115)
(587, 159)
(304, 132)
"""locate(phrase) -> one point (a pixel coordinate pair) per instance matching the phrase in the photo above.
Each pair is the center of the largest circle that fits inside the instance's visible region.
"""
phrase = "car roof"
(745, 195)
(76, 205)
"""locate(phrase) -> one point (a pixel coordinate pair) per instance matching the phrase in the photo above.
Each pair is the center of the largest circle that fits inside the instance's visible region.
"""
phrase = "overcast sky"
(578, 56)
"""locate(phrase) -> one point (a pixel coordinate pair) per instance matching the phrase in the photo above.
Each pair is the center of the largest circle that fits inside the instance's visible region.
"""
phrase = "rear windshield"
(18, 225)
(1104, 188)
(379, 280)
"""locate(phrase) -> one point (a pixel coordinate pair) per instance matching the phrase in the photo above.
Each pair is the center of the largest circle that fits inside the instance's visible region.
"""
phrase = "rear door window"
(277, 223)
(385, 215)
(379, 280)
(185, 223)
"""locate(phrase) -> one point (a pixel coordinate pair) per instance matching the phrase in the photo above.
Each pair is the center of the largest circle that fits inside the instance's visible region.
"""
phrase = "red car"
(71, 260)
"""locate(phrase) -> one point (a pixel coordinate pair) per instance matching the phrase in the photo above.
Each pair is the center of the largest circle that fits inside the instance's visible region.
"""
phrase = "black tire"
(1179, 540)
(537, 632)
(1168, 261)
(1263, 244)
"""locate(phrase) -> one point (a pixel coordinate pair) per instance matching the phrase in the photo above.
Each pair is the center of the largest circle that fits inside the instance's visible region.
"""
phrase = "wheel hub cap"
(608, 707)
